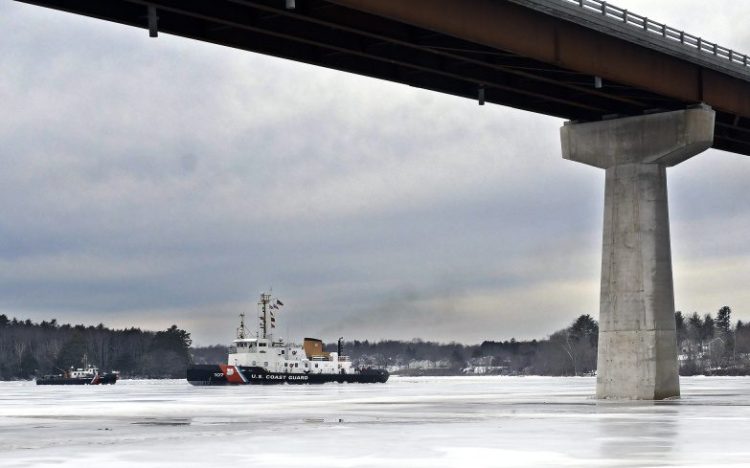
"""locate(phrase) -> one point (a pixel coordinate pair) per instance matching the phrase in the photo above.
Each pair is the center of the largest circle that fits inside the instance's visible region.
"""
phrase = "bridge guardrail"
(669, 33)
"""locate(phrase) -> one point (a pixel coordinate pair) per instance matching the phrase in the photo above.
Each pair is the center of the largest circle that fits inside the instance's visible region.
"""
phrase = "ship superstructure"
(267, 359)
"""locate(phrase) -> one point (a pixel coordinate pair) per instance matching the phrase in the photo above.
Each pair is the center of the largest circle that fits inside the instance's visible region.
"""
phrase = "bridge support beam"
(637, 343)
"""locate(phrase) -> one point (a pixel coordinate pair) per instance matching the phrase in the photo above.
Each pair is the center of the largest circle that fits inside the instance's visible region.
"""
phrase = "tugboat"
(264, 359)
(86, 375)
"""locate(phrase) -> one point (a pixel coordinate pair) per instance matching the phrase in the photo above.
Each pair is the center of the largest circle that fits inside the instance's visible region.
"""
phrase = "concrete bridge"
(640, 96)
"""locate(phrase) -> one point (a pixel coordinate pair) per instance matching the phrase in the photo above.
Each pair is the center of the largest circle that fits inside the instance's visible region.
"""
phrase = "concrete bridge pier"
(637, 343)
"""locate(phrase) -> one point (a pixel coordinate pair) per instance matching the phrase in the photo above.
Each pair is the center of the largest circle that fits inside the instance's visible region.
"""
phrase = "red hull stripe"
(232, 374)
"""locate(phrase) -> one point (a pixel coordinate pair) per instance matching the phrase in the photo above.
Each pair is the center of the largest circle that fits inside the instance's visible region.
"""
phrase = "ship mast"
(241, 333)
(265, 300)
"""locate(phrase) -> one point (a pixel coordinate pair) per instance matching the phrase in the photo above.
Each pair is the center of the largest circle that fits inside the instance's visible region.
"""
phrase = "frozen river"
(408, 422)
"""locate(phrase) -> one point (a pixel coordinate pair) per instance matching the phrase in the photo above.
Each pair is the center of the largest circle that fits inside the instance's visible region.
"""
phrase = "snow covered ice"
(408, 422)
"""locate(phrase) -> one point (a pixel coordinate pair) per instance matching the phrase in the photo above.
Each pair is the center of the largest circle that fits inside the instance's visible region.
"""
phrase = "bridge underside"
(634, 110)
(519, 57)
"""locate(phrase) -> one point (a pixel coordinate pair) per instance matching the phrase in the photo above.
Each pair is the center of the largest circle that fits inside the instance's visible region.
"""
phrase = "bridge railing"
(669, 33)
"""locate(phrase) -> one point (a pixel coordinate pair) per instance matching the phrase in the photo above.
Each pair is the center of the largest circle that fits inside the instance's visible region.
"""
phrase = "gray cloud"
(147, 182)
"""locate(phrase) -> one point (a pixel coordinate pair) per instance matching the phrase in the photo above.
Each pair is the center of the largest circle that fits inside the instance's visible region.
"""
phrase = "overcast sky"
(148, 182)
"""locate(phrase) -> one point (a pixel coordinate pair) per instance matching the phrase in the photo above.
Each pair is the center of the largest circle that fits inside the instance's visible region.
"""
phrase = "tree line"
(706, 345)
(29, 349)
(570, 351)
(713, 346)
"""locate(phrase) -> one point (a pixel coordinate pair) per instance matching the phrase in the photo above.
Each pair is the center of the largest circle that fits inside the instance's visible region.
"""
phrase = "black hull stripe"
(213, 375)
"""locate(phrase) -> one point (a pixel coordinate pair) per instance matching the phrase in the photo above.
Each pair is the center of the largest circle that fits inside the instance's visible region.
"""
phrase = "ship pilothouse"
(265, 359)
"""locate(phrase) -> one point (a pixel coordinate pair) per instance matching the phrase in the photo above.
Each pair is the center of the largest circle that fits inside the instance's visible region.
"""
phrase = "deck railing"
(668, 33)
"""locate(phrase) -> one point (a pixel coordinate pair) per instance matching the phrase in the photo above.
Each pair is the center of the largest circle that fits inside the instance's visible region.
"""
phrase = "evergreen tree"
(695, 329)
(680, 328)
(168, 355)
(585, 327)
(172, 339)
(724, 321)
(724, 330)
(709, 328)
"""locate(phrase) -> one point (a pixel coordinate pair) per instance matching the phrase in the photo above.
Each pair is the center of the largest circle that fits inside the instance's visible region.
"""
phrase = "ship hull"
(237, 375)
(106, 379)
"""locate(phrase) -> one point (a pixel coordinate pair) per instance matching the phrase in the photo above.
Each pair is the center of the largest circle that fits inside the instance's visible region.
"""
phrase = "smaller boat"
(86, 375)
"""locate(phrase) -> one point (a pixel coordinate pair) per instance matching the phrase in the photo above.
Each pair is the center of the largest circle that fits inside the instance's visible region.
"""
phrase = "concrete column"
(637, 340)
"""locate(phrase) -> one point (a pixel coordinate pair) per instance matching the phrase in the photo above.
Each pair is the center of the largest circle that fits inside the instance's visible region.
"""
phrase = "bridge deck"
(517, 53)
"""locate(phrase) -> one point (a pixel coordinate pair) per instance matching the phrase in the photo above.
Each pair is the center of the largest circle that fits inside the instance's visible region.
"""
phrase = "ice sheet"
(408, 422)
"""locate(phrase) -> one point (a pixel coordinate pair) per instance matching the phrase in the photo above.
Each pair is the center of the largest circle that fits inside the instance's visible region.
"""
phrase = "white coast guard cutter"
(263, 359)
